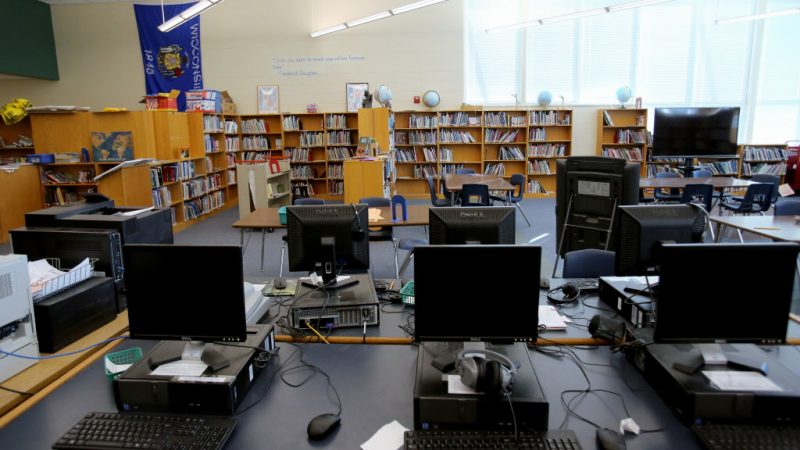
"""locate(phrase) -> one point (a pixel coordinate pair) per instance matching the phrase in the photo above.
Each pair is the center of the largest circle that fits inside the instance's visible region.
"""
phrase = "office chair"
(787, 207)
(475, 195)
(387, 233)
(515, 197)
(465, 171)
(435, 200)
(701, 195)
(297, 201)
(674, 193)
(588, 263)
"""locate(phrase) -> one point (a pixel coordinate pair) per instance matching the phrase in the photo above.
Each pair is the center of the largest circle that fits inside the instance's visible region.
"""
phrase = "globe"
(383, 95)
(544, 98)
(430, 98)
(623, 94)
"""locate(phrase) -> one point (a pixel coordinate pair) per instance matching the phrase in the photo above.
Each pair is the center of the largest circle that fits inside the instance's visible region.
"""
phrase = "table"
(680, 183)
(782, 228)
(267, 218)
(455, 182)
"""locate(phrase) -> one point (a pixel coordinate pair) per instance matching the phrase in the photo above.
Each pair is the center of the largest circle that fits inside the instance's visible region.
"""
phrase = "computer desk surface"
(375, 383)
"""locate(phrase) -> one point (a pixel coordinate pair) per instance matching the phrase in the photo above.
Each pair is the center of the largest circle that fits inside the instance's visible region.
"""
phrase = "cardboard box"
(228, 105)
(162, 101)
(207, 100)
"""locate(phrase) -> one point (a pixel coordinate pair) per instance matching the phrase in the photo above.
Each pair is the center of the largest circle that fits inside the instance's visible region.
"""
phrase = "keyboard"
(748, 436)
(583, 284)
(99, 431)
(555, 439)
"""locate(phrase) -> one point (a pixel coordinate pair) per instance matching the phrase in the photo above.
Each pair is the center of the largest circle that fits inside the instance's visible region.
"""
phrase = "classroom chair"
(717, 196)
(515, 197)
(475, 195)
(674, 193)
(588, 263)
(757, 199)
(775, 180)
(435, 200)
(701, 195)
(387, 233)
(787, 207)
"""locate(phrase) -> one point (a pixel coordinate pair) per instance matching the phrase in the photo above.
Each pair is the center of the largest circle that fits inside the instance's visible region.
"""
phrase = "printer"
(17, 330)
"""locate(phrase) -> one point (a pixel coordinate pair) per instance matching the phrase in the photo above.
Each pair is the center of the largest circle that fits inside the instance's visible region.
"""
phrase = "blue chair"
(705, 173)
(787, 207)
(674, 193)
(775, 180)
(465, 171)
(451, 197)
(309, 201)
(588, 263)
(757, 199)
(515, 197)
(702, 195)
(475, 195)
(435, 200)
(387, 233)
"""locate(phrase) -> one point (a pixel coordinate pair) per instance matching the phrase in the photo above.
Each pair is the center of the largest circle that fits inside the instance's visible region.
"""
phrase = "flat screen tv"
(695, 132)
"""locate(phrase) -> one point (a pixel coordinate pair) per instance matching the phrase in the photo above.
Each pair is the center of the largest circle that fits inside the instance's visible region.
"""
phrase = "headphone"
(359, 233)
(486, 371)
(569, 293)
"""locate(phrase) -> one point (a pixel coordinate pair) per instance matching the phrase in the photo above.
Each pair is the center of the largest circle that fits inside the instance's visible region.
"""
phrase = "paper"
(116, 368)
(181, 368)
(388, 437)
(374, 214)
(455, 386)
(134, 212)
(785, 190)
(744, 380)
(550, 318)
(46, 279)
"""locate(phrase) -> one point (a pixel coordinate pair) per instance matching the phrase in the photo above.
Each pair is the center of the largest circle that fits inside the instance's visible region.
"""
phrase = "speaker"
(605, 328)
(486, 371)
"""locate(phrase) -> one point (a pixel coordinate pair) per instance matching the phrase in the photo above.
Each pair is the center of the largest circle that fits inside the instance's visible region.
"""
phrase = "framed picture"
(355, 95)
(112, 146)
(268, 100)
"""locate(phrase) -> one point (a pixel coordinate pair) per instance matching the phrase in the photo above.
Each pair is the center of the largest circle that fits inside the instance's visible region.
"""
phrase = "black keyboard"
(556, 439)
(748, 436)
(147, 431)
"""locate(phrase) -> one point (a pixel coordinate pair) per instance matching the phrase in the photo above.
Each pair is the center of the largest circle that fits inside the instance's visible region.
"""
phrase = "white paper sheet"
(550, 318)
(455, 386)
(740, 380)
(181, 368)
(388, 437)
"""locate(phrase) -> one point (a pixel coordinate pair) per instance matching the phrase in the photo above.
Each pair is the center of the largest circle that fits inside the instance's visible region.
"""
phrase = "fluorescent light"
(631, 5)
(332, 29)
(187, 14)
(363, 20)
(413, 6)
(783, 12)
(571, 16)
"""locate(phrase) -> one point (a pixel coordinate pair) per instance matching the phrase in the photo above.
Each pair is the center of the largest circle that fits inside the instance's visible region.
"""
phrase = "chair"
(435, 200)
(674, 193)
(705, 173)
(757, 199)
(787, 207)
(475, 195)
(387, 233)
(702, 195)
(702, 173)
(518, 181)
(775, 180)
(450, 196)
(465, 171)
(588, 263)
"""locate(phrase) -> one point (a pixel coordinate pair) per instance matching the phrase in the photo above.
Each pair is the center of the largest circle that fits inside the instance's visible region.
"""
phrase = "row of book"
(415, 138)
(537, 134)
(231, 127)
(209, 164)
(771, 169)
(213, 124)
(454, 137)
(549, 118)
(406, 155)
(495, 169)
(547, 150)
(197, 187)
(335, 121)
(425, 171)
(721, 167)
(162, 197)
(301, 172)
(231, 159)
(630, 137)
(57, 196)
(56, 177)
(203, 205)
(506, 152)
(339, 137)
(534, 187)
(340, 153)
(232, 144)
(302, 188)
(255, 143)
(458, 119)
(231, 177)
(336, 171)
(255, 156)
(210, 144)
(445, 155)
(252, 126)
(539, 167)
(292, 123)
(667, 160)
(312, 139)
(631, 154)
(764, 154)
(170, 173)
(500, 136)
(335, 187)
(448, 169)
(298, 154)
(653, 169)
(422, 121)
(503, 119)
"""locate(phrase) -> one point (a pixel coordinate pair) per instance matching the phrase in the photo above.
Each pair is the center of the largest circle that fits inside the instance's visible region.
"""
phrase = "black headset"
(569, 293)
(486, 371)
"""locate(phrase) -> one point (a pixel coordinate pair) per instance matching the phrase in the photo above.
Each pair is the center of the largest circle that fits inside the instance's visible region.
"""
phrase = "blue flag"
(172, 59)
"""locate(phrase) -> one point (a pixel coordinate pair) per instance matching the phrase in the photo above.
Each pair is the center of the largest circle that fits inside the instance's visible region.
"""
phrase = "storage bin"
(282, 215)
(41, 158)
(127, 356)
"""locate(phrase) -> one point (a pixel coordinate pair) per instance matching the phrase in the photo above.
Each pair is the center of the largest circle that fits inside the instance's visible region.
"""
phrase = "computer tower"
(147, 227)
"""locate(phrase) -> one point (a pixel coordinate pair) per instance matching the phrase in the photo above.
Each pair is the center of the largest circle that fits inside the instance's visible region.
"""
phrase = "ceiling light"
(413, 6)
(363, 20)
(783, 12)
(187, 14)
(332, 29)
(378, 16)
(631, 5)
(571, 16)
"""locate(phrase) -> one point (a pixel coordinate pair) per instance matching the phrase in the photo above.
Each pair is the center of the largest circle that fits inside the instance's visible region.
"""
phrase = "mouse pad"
(269, 289)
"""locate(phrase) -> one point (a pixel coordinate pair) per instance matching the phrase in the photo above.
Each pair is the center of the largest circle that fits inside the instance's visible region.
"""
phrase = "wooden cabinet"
(622, 133)
(260, 188)
(19, 193)
(365, 179)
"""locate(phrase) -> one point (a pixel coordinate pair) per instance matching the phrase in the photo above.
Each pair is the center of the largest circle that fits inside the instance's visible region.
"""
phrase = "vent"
(6, 288)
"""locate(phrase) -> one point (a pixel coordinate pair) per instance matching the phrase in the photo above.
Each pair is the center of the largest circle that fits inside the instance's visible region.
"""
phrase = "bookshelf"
(16, 141)
(763, 159)
(461, 147)
(304, 144)
(622, 133)
(549, 139)
(341, 140)
(505, 135)
(416, 151)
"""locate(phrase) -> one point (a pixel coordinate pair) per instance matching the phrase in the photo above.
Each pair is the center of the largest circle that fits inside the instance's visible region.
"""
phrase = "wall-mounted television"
(695, 132)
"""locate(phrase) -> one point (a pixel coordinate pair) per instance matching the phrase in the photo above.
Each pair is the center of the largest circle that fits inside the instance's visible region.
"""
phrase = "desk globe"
(384, 96)
(623, 95)
(544, 98)
(430, 98)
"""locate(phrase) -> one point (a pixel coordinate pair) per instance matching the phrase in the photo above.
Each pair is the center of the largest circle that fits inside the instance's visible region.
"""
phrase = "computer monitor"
(696, 132)
(187, 293)
(328, 239)
(644, 228)
(725, 292)
(589, 188)
(481, 293)
(474, 225)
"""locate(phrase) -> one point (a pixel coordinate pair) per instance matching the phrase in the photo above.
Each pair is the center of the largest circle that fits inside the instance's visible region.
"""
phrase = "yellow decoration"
(15, 111)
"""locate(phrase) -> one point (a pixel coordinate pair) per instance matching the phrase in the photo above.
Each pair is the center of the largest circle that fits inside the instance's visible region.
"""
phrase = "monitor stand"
(687, 168)
(713, 355)
(196, 351)
(328, 269)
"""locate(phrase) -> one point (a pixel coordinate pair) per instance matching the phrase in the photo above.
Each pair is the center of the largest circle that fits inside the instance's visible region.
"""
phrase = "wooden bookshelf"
(763, 158)
(11, 139)
(622, 133)
(505, 136)
(416, 151)
(549, 139)
(304, 144)
(341, 140)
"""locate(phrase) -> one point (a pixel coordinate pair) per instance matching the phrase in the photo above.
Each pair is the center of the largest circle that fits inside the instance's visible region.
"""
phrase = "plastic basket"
(407, 293)
(127, 356)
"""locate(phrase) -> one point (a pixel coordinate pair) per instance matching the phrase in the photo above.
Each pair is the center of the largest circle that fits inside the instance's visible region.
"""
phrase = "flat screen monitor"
(589, 188)
(182, 292)
(644, 228)
(312, 227)
(474, 225)
(482, 293)
(713, 293)
(696, 132)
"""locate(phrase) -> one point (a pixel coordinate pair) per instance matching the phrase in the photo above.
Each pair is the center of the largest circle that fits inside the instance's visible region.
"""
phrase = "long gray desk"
(376, 386)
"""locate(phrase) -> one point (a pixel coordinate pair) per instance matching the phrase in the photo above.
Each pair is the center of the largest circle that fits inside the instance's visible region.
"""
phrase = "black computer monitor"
(328, 239)
(480, 293)
(725, 292)
(696, 132)
(475, 225)
(644, 228)
(589, 188)
(187, 293)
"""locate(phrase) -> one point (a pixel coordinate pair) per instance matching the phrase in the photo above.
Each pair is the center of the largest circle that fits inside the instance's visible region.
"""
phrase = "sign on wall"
(172, 59)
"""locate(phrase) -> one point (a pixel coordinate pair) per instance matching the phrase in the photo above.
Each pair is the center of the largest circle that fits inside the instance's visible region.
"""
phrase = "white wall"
(100, 61)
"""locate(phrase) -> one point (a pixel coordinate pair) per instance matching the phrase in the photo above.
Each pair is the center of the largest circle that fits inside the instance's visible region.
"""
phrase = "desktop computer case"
(220, 392)
(347, 307)
(147, 227)
(435, 409)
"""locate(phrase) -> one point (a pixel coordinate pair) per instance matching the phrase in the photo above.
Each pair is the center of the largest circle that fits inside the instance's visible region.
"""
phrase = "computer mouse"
(279, 283)
(322, 425)
(610, 439)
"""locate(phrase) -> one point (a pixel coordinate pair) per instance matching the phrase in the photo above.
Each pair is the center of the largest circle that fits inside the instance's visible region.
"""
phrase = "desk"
(376, 386)
(455, 182)
(782, 228)
(267, 218)
(680, 183)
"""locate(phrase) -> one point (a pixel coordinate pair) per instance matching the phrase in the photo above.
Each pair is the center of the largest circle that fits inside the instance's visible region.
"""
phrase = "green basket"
(127, 356)
(407, 293)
